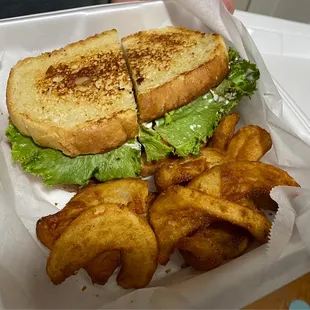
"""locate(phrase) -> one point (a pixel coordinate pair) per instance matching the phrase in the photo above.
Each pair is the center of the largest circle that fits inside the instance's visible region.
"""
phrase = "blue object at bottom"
(299, 305)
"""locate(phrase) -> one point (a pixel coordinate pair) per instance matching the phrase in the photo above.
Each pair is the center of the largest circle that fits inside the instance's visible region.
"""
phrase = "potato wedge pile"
(207, 207)
(101, 228)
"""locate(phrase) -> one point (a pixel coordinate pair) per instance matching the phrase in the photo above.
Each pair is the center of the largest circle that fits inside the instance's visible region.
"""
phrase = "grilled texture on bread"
(78, 99)
(172, 66)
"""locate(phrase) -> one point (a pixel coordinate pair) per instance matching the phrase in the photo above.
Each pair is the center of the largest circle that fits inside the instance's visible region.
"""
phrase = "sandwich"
(94, 107)
(73, 114)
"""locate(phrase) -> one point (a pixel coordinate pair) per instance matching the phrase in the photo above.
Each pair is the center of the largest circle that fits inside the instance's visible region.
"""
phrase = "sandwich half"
(185, 81)
(73, 114)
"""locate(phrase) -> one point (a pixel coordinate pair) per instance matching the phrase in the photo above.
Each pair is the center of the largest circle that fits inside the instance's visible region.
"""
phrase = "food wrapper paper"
(23, 198)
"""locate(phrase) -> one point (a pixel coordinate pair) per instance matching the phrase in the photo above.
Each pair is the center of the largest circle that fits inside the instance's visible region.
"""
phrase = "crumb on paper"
(84, 288)
(56, 204)
(270, 214)
(97, 295)
(168, 270)
(131, 301)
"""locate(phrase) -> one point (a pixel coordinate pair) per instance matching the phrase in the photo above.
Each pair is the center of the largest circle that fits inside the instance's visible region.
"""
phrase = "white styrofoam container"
(34, 34)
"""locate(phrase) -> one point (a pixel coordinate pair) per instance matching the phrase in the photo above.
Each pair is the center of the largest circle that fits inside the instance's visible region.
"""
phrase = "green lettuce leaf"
(56, 168)
(154, 148)
(185, 128)
(192, 124)
(243, 74)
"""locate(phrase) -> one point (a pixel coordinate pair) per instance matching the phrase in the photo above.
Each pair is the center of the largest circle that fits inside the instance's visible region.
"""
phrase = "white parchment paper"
(23, 199)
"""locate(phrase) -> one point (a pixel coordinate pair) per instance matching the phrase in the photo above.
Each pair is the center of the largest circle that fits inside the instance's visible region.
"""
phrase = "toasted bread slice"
(172, 66)
(78, 99)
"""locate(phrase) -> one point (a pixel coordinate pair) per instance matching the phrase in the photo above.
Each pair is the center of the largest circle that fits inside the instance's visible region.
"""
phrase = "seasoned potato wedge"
(224, 131)
(106, 227)
(184, 170)
(250, 143)
(242, 180)
(213, 245)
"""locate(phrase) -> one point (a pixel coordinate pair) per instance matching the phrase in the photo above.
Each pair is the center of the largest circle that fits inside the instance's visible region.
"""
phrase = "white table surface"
(285, 46)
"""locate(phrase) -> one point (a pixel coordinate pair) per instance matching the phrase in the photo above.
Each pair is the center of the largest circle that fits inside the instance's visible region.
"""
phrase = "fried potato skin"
(102, 228)
(101, 268)
(249, 143)
(224, 131)
(179, 211)
(213, 245)
(178, 172)
(150, 168)
(242, 180)
(184, 170)
(130, 192)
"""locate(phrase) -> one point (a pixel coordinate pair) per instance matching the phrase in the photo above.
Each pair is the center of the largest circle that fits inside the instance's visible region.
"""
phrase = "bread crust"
(95, 137)
(182, 89)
